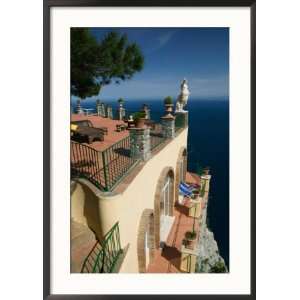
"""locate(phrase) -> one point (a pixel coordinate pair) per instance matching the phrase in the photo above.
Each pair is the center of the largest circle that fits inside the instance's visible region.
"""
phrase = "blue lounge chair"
(185, 189)
(190, 187)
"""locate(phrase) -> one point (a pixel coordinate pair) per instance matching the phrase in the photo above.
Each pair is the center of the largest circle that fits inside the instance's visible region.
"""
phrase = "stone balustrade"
(140, 147)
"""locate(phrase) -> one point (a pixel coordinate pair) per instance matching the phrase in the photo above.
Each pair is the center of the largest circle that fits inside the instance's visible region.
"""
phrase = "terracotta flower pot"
(190, 244)
(169, 108)
(190, 240)
(140, 123)
(196, 192)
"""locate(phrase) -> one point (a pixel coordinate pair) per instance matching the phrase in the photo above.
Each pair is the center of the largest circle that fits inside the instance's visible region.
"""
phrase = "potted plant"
(121, 101)
(139, 119)
(190, 239)
(168, 101)
(219, 267)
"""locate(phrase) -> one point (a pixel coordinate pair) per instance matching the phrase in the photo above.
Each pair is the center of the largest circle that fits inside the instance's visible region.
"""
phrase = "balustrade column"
(102, 110)
(98, 107)
(78, 107)
(168, 126)
(121, 112)
(146, 110)
(109, 112)
(140, 147)
(182, 119)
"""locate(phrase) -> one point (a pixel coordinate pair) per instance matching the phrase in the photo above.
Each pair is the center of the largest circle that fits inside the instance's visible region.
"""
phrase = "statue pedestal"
(121, 113)
(168, 126)
(181, 119)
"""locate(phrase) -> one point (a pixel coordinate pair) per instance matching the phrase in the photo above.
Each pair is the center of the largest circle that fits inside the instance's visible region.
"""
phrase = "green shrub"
(190, 235)
(219, 267)
(168, 100)
(139, 115)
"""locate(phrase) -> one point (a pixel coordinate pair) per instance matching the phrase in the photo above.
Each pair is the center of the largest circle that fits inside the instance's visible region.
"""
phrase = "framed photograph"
(149, 149)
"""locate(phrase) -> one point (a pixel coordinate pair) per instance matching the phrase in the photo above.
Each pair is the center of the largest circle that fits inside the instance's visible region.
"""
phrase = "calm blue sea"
(208, 145)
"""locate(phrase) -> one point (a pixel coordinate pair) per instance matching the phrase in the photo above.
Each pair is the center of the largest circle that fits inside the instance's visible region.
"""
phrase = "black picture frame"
(48, 4)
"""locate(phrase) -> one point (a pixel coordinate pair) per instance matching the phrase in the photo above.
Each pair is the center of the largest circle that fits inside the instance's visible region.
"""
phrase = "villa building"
(127, 214)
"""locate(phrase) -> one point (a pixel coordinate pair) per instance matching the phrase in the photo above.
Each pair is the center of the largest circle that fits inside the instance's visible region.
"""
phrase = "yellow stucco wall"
(101, 212)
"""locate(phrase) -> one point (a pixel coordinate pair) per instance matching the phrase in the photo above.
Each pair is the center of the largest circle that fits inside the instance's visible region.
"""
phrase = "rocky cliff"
(209, 260)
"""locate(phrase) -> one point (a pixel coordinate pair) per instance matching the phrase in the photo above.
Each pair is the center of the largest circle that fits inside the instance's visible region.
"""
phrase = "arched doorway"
(163, 206)
(145, 241)
(181, 168)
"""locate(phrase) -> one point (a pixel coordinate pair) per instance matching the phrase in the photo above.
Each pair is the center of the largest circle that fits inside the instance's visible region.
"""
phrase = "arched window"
(165, 201)
(163, 206)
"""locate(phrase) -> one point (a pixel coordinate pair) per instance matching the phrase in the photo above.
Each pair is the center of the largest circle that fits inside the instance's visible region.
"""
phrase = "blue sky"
(199, 54)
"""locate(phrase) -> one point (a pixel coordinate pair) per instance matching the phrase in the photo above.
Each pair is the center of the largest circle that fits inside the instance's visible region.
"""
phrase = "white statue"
(130, 118)
(182, 98)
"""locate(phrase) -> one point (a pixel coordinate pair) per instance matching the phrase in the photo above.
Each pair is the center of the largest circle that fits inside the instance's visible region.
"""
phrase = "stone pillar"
(140, 143)
(168, 126)
(148, 115)
(98, 107)
(102, 110)
(146, 110)
(78, 107)
(182, 119)
(206, 181)
(121, 112)
(195, 208)
(203, 225)
(109, 112)
(188, 259)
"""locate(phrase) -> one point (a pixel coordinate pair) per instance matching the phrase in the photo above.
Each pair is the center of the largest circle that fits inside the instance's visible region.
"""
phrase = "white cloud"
(162, 40)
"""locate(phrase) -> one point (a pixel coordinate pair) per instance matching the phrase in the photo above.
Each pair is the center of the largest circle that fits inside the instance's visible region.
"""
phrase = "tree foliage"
(84, 61)
(95, 64)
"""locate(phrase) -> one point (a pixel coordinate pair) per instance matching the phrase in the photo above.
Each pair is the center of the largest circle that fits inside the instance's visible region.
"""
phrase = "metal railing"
(117, 162)
(86, 162)
(104, 255)
(103, 168)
